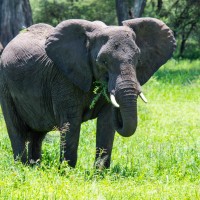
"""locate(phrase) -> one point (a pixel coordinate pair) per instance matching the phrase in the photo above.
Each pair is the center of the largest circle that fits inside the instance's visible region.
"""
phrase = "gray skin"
(47, 77)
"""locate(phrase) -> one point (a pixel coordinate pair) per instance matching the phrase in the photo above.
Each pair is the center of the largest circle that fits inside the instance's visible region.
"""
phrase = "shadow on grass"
(179, 76)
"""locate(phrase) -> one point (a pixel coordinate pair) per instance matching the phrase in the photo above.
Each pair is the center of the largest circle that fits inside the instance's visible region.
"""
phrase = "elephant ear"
(67, 48)
(156, 43)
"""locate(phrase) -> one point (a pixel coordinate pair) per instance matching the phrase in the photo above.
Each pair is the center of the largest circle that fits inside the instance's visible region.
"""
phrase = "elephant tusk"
(113, 100)
(143, 97)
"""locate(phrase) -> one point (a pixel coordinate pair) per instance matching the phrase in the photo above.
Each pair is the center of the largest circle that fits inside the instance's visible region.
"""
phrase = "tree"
(183, 17)
(128, 9)
(186, 21)
(14, 14)
(138, 8)
(1, 48)
(53, 12)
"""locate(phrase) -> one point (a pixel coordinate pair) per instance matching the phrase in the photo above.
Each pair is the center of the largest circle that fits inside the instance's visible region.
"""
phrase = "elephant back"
(40, 31)
(26, 48)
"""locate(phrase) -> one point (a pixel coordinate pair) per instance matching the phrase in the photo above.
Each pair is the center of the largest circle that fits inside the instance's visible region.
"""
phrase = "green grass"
(161, 161)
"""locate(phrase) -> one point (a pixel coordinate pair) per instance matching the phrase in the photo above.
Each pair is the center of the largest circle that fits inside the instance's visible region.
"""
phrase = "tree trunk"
(1, 48)
(182, 47)
(185, 36)
(159, 6)
(122, 10)
(127, 9)
(14, 14)
(138, 8)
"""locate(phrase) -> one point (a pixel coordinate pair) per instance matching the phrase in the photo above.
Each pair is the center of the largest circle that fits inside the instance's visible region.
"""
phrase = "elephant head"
(124, 56)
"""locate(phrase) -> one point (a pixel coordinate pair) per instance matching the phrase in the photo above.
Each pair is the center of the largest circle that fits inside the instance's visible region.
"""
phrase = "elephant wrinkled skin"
(47, 76)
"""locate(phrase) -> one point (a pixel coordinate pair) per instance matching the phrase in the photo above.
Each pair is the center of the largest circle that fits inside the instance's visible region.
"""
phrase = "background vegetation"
(182, 16)
(161, 161)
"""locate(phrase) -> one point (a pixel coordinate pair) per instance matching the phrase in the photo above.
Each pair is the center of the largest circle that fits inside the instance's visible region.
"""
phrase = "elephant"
(48, 76)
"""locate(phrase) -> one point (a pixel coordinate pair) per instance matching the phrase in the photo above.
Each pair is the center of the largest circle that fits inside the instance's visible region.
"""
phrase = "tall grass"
(161, 161)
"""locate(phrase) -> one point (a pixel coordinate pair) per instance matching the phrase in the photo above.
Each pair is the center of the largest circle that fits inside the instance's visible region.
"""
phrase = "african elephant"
(47, 79)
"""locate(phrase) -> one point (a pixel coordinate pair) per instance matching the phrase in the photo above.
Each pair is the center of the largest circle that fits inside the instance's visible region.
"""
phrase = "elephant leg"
(104, 138)
(70, 133)
(17, 129)
(35, 146)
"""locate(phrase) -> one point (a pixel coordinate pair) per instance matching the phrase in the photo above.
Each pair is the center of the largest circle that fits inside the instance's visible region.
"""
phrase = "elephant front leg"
(35, 146)
(104, 138)
(69, 140)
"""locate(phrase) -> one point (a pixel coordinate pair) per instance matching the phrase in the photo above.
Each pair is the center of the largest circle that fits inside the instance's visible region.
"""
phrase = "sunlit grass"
(161, 161)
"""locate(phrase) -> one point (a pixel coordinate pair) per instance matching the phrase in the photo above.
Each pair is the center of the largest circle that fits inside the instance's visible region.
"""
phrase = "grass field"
(161, 161)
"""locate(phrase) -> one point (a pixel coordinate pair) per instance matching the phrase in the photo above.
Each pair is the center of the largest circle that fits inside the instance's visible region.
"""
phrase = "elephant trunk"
(125, 117)
(124, 89)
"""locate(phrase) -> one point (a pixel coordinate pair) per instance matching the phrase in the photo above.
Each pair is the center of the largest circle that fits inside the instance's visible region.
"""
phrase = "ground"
(161, 161)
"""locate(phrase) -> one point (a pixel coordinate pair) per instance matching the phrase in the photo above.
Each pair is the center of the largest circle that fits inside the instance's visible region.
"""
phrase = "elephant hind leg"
(35, 146)
(16, 127)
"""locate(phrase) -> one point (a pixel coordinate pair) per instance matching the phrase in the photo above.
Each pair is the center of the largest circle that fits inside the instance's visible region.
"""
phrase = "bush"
(53, 12)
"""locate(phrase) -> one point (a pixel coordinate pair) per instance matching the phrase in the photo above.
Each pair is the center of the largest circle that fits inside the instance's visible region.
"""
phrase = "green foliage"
(161, 161)
(182, 16)
(100, 90)
(53, 12)
(24, 30)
